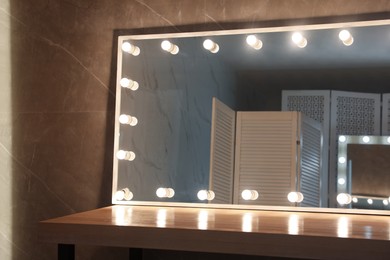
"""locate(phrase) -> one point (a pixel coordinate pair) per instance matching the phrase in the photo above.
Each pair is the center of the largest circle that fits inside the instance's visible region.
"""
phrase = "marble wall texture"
(57, 96)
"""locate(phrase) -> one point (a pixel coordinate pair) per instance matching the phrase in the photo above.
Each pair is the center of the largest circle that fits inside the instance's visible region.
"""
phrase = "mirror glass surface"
(164, 142)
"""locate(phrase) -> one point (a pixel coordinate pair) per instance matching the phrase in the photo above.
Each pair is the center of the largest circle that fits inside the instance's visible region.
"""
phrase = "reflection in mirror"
(363, 172)
(166, 84)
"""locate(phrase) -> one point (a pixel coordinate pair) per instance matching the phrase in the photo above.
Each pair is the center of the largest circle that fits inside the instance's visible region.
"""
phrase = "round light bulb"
(120, 195)
(355, 200)
(342, 138)
(249, 194)
(299, 40)
(211, 46)
(346, 37)
(202, 194)
(255, 43)
(295, 197)
(366, 139)
(344, 198)
(126, 119)
(385, 202)
(125, 155)
(128, 83)
(342, 159)
(130, 48)
(169, 47)
(369, 201)
(341, 181)
(165, 192)
(388, 139)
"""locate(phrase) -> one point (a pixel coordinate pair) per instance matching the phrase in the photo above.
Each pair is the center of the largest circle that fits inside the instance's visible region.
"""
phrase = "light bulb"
(128, 83)
(126, 119)
(165, 192)
(249, 194)
(342, 138)
(295, 196)
(366, 139)
(125, 155)
(299, 40)
(385, 202)
(344, 198)
(211, 46)
(169, 47)
(206, 195)
(388, 139)
(346, 37)
(369, 201)
(130, 48)
(355, 200)
(342, 159)
(124, 194)
(255, 43)
(341, 181)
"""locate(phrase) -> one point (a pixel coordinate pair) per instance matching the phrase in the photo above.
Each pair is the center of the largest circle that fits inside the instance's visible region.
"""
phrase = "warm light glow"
(342, 159)
(293, 224)
(169, 47)
(165, 192)
(299, 40)
(366, 139)
(125, 155)
(124, 194)
(388, 139)
(341, 181)
(344, 198)
(128, 83)
(343, 227)
(369, 201)
(203, 218)
(130, 48)
(247, 222)
(206, 195)
(342, 138)
(161, 218)
(255, 43)
(355, 200)
(249, 194)
(385, 202)
(295, 197)
(346, 37)
(211, 46)
(126, 119)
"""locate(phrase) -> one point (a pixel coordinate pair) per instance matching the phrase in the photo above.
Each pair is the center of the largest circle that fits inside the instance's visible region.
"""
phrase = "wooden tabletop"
(257, 232)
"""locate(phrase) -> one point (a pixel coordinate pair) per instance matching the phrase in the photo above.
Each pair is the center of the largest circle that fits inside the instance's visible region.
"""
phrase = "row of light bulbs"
(346, 199)
(126, 194)
(297, 38)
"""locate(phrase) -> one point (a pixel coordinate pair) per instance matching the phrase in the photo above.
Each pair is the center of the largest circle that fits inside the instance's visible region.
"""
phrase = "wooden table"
(257, 232)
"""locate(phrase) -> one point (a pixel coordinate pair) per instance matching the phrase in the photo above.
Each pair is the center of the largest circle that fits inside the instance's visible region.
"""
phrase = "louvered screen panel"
(265, 156)
(385, 114)
(314, 104)
(222, 152)
(352, 114)
(310, 168)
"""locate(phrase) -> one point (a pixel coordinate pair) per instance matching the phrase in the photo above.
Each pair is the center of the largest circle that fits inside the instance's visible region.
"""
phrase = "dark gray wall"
(58, 100)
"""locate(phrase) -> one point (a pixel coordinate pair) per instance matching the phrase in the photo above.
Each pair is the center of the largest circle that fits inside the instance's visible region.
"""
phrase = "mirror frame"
(266, 29)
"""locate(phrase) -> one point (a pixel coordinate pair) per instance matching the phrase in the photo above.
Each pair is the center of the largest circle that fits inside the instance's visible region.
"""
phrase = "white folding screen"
(266, 156)
(314, 104)
(386, 114)
(222, 152)
(352, 113)
(310, 163)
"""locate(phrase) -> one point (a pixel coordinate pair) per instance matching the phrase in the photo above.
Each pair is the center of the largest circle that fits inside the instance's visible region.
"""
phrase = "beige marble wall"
(57, 96)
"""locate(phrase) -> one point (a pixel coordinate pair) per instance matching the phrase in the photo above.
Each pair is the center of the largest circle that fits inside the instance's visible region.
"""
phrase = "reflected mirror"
(173, 90)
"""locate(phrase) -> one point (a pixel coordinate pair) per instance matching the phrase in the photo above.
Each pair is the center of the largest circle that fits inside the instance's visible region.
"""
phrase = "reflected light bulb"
(255, 43)
(342, 159)
(366, 139)
(249, 194)
(342, 138)
(126, 119)
(206, 195)
(211, 46)
(341, 181)
(355, 200)
(344, 198)
(295, 197)
(346, 37)
(299, 40)
(369, 201)
(130, 48)
(165, 192)
(124, 194)
(169, 47)
(385, 202)
(128, 83)
(125, 155)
